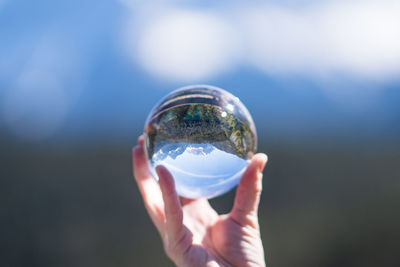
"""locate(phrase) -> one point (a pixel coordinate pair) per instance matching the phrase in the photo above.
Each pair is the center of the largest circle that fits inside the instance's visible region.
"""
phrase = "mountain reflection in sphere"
(204, 136)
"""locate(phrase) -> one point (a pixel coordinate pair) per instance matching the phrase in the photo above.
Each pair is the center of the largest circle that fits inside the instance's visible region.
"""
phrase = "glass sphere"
(204, 136)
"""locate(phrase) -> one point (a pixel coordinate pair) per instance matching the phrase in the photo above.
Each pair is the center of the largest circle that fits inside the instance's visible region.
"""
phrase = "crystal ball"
(204, 136)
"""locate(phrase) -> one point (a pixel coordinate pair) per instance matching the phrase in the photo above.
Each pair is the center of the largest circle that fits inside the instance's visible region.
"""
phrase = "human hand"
(193, 233)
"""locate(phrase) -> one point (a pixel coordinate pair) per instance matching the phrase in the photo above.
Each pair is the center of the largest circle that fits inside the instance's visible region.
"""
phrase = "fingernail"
(264, 162)
(140, 139)
(160, 170)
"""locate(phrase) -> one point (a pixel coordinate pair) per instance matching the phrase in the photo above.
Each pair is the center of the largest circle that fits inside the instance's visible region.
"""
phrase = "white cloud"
(360, 38)
(363, 37)
(188, 46)
(280, 40)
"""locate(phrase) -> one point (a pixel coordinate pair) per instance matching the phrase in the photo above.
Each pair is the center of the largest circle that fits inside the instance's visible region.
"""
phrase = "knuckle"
(172, 246)
(258, 189)
(168, 248)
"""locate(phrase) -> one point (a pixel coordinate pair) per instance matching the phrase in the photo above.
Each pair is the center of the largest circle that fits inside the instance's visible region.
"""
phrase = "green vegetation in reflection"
(201, 123)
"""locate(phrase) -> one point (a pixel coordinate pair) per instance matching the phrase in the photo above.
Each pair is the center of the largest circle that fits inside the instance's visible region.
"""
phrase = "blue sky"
(90, 68)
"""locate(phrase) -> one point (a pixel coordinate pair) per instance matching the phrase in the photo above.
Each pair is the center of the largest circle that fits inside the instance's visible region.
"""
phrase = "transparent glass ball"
(204, 136)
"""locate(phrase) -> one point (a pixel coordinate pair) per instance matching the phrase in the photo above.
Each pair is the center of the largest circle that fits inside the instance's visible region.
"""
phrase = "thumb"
(249, 190)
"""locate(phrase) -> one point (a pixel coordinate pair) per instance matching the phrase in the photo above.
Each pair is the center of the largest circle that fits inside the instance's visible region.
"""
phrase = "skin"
(192, 232)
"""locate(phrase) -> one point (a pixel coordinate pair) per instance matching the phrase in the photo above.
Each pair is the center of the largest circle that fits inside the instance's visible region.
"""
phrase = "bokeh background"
(78, 78)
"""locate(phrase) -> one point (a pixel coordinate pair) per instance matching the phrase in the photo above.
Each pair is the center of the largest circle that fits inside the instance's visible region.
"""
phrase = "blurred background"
(78, 78)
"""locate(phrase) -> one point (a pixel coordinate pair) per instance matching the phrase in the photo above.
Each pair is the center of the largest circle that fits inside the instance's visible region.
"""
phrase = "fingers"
(172, 206)
(249, 191)
(162, 203)
(148, 187)
(141, 140)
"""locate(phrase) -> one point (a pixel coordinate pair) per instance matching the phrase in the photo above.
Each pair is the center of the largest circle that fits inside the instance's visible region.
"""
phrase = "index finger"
(148, 187)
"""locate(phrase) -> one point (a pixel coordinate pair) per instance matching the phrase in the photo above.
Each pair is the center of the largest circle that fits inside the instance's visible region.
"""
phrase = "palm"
(216, 238)
(192, 232)
(199, 219)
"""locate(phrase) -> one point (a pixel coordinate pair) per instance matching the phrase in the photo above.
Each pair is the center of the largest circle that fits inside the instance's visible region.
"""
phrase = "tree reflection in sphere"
(204, 136)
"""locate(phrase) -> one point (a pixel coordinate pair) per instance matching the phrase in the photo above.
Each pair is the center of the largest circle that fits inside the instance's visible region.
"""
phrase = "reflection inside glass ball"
(204, 136)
